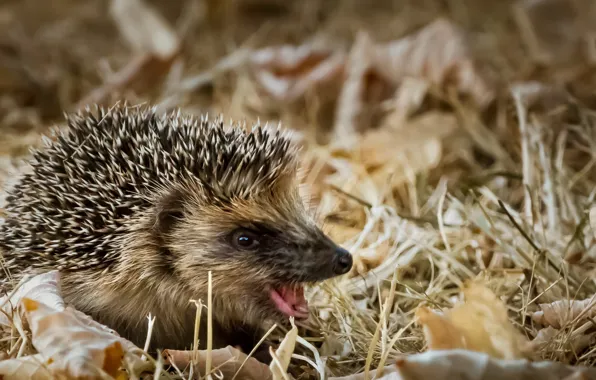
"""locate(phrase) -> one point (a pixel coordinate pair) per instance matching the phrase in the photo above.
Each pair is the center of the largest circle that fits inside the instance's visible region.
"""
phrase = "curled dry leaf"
(470, 365)
(351, 98)
(70, 344)
(41, 288)
(480, 323)
(436, 56)
(155, 42)
(439, 331)
(144, 28)
(416, 145)
(227, 362)
(439, 54)
(287, 72)
(369, 258)
(284, 353)
(72, 348)
(33, 367)
(560, 313)
(567, 344)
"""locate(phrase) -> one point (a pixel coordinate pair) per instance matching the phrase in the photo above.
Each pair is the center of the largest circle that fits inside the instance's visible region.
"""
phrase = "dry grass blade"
(209, 327)
(593, 219)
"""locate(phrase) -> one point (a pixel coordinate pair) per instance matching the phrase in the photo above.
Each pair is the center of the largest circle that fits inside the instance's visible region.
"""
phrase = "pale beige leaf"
(288, 72)
(350, 104)
(415, 145)
(440, 333)
(369, 258)
(560, 313)
(409, 97)
(75, 347)
(563, 341)
(144, 29)
(470, 365)
(483, 317)
(399, 154)
(438, 54)
(226, 360)
(42, 288)
(479, 323)
(32, 367)
(284, 353)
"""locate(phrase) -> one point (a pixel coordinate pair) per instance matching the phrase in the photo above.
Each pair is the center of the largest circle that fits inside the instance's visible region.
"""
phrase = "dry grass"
(506, 203)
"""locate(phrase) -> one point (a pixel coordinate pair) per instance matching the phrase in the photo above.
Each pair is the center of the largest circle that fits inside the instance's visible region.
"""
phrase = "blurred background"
(418, 117)
(60, 55)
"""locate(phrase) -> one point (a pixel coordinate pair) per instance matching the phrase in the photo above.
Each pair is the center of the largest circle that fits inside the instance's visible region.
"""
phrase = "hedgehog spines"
(89, 181)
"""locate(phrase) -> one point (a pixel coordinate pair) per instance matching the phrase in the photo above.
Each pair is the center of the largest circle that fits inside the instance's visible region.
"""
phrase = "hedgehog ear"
(169, 212)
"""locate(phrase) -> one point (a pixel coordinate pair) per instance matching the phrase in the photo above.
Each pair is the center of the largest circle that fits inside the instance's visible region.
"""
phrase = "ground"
(487, 176)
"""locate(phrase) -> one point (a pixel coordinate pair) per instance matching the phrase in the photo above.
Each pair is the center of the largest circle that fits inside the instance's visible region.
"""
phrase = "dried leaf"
(144, 29)
(435, 56)
(439, 331)
(470, 365)
(32, 367)
(438, 54)
(350, 102)
(155, 42)
(42, 288)
(416, 145)
(480, 323)
(284, 353)
(369, 258)
(288, 72)
(227, 361)
(73, 348)
(70, 344)
(566, 343)
(560, 313)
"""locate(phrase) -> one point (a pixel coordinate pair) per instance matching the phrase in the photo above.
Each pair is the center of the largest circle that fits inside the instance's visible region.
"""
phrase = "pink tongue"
(294, 297)
(291, 301)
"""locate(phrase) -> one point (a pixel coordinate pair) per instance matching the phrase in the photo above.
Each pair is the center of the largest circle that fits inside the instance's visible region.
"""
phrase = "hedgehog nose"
(343, 261)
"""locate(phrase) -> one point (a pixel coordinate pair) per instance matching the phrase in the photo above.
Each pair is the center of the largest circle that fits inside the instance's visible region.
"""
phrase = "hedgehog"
(134, 209)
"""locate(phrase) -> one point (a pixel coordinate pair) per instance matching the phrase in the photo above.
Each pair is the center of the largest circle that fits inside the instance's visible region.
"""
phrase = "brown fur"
(141, 284)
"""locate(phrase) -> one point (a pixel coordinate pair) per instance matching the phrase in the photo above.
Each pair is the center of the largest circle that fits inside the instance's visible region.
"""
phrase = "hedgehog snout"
(331, 260)
(342, 261)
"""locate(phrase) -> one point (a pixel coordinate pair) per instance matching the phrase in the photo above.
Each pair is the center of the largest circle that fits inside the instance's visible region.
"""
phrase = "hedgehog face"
(263, 250)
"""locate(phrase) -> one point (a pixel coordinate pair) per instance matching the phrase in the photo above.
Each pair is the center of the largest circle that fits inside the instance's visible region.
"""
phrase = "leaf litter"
(468, 203)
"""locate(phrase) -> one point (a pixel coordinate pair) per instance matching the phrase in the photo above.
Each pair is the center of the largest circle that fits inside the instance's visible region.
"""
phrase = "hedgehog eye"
(245, 240)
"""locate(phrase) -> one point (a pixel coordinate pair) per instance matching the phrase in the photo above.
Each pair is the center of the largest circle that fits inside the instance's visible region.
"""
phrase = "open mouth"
(290, 301)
